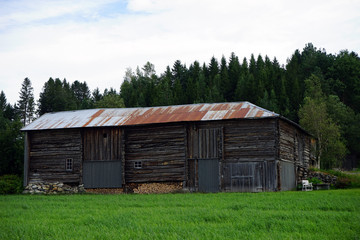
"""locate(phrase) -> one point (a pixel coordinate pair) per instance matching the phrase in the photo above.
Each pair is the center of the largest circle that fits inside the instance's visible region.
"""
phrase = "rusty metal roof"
(148, 115)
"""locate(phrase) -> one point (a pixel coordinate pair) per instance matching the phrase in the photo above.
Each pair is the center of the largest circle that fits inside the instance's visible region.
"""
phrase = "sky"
(98, 40)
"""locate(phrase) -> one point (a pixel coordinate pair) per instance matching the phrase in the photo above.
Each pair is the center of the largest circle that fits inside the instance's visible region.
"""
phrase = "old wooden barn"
(205, 147)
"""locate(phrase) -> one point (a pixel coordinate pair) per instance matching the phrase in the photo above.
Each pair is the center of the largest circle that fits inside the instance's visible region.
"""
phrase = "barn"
(230, 147)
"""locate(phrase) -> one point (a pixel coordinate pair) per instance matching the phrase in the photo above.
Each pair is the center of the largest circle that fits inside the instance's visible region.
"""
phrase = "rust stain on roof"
(95, 115)
(259, 114)
(148, 115)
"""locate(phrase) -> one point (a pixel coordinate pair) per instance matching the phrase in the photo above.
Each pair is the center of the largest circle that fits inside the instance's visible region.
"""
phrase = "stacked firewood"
(158, 188)
(105, 190)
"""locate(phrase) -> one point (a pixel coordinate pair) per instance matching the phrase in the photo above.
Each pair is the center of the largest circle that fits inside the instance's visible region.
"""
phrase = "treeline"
(259, 80)
(311, 79)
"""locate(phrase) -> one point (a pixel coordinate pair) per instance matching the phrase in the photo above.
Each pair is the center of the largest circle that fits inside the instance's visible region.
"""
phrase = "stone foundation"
(52, 188)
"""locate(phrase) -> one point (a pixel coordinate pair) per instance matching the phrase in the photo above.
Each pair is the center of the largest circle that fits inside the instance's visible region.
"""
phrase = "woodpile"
(105, 190)
(147, 188)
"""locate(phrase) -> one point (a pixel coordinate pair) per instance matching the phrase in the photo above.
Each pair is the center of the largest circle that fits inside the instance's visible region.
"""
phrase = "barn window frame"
(69, 164)
(138, 164)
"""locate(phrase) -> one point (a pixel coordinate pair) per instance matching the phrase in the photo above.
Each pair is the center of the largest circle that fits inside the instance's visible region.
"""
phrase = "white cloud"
(76, 40)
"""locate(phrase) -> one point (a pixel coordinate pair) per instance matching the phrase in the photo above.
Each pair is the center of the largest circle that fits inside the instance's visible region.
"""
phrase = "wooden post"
(26, 159)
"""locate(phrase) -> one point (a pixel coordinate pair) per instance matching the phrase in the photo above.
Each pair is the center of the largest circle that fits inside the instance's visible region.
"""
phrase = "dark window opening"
(138, 164)
(69, 164)
(105, 135)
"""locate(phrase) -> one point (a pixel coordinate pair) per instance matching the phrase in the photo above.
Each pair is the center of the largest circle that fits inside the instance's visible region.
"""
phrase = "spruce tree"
(26, 104)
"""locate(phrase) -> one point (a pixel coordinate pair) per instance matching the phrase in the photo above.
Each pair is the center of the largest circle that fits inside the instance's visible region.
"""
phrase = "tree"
(56, 96)
(224, 77)
(11, 147)
(96, 95)
(2, 101)
(269, 101)
(82, 94)
(346, 72)
(315, 119)
(26, 103)
(110, 101)
(234, 75)
(11, 139)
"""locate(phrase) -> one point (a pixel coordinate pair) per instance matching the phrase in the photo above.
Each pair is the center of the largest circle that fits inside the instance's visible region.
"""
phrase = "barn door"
(102, 166)
(204, 167)
(208, 175)
(287, 176)
(245, 176)
(101, 174)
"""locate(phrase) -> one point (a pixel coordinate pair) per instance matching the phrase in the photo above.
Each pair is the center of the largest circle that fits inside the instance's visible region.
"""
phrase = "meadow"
(333, 214)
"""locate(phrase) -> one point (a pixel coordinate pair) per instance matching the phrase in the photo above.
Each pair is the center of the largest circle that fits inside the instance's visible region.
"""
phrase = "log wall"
(294, 154)
(250, 140)
(294, 144)
(48, 153)
(161, 151)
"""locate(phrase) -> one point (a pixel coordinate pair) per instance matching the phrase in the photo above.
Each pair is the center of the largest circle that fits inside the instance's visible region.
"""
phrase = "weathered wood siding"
(204, 141)
(294, 144)
(48, 153)
(294, 154)
(102, 167)
(102, 144)
(250, 140)
(250, 150)
(246, 150)
(161, 151)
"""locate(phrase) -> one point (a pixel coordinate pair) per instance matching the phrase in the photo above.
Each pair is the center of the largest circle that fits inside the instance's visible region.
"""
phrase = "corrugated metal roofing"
(148, 115)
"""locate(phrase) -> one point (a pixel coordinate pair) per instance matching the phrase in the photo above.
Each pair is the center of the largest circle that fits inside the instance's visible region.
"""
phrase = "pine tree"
(26, 103)
(234, 74)
(224, 78)
(82, 94)
(2, 102)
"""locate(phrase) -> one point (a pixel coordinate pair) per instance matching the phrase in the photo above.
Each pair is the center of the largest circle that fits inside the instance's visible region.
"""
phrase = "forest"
(318, 90)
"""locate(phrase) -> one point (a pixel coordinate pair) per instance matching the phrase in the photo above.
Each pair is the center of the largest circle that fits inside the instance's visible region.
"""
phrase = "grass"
(333, 214)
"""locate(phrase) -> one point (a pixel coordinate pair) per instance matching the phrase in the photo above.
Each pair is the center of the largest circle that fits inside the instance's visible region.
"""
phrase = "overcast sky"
(97, 40)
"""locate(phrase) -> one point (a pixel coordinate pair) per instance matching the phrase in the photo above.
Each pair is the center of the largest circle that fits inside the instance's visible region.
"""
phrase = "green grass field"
(333, 214)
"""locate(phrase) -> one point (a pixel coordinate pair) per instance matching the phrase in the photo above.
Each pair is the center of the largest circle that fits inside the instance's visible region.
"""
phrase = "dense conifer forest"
(318, 90)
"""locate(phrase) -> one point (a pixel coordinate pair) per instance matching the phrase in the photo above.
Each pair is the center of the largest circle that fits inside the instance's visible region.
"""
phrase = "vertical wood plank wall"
(102, 144)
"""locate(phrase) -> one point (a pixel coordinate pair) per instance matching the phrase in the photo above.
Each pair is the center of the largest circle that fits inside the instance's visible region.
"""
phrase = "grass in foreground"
(331, 214)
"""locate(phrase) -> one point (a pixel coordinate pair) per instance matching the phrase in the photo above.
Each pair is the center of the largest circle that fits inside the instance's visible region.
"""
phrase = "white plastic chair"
(306, 186)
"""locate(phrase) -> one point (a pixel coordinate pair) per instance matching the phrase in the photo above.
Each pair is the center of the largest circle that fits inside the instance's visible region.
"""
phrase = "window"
(138, 164)
(69, 164)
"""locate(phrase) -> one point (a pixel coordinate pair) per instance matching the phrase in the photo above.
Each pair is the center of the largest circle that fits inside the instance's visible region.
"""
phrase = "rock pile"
(324, 177)
(52, 188)
(157, 188)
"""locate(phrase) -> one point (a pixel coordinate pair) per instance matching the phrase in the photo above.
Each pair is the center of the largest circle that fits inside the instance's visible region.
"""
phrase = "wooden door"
(205, 152)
